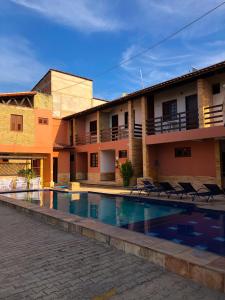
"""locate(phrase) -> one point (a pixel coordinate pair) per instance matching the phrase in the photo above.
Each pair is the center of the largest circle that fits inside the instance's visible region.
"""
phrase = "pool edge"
(182, 260)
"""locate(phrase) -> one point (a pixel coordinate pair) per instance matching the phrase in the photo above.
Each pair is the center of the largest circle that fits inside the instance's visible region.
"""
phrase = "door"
(115, 127)
(191, 103)
(55, 169)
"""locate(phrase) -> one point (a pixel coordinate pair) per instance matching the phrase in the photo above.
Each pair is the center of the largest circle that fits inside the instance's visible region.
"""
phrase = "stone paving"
(38, 261)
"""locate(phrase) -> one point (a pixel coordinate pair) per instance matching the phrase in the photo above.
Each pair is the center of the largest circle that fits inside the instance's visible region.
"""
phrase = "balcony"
(114, 133)
(212, 116)
(88, 138)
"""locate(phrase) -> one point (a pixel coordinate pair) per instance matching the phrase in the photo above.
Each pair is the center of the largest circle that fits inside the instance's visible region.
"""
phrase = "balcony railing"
(114, 133)
(176, 122)
(88, 138)
(137, 130)
(213, 115)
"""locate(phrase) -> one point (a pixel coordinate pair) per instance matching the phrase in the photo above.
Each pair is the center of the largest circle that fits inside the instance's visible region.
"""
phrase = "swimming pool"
(178, 222)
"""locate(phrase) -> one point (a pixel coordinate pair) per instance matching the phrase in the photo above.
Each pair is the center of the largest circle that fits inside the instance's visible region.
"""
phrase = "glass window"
(43, 121)
(94, 160)
(123, 154)
(93, 127)
(183, 152)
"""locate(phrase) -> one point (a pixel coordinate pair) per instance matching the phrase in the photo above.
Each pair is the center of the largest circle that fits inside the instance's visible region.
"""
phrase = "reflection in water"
(184, 224)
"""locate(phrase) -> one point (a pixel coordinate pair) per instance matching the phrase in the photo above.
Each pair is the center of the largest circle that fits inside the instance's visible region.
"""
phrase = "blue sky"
(86, 37)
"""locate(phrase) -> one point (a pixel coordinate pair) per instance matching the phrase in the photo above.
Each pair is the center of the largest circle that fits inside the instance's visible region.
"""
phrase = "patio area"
(39, 261)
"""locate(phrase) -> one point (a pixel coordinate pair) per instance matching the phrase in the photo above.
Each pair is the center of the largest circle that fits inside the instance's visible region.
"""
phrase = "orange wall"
(63, 161)
(96, 148)
(60, 133)
(202, 162)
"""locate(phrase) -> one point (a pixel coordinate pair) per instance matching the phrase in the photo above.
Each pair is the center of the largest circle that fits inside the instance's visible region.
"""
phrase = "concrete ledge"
(205, 268)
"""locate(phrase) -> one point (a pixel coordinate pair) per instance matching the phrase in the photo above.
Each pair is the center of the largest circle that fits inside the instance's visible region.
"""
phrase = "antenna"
(142, 83)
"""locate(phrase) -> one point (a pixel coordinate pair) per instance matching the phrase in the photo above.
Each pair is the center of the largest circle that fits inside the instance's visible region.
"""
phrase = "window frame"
(121, 153)
(42, 121)
(14, 124)
(183, 152)
(94, 160)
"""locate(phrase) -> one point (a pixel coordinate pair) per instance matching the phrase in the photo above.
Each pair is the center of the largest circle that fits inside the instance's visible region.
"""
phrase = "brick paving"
(38, 261)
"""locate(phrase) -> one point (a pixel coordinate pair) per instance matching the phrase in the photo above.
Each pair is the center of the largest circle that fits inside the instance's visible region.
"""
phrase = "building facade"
(173, 131)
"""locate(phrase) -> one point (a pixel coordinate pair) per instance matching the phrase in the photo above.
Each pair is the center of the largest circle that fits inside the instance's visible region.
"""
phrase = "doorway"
(107, 165)
(55, 169)
(191, 104)
(115, 124)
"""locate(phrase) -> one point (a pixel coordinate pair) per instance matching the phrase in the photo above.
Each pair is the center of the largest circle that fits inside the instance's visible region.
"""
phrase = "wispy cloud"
(84, 15)
(166, 63)
(19, 66)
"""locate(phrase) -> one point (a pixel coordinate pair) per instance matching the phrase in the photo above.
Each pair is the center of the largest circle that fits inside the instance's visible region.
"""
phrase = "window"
(16, 123)
(170, 110)
(93, 127)
(216, 88)
(183, 152)
(123, 154)
(126, 119)
(94, 160)
(43, 121)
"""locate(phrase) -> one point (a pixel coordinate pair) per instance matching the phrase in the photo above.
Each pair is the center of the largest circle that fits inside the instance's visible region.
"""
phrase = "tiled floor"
(41, 262)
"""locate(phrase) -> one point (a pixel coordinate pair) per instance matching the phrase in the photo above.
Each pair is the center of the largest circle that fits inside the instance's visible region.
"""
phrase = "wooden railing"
(88, 138)
(213, 115)
(177, 122)
(114, 133)
(137, 130)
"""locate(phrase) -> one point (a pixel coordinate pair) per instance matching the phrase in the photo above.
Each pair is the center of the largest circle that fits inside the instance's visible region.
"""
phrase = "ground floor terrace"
(196, 161)
(11, 165)
(99, 163)
(72, 266)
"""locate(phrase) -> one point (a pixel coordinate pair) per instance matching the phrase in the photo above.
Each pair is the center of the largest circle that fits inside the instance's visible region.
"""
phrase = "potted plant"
(126, 171)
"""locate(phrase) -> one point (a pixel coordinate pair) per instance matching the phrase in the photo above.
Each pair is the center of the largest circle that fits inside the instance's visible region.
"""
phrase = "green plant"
(126, 171)
(27, 173)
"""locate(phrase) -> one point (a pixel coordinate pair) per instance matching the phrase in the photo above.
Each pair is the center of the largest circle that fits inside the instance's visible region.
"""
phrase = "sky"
(88, 37)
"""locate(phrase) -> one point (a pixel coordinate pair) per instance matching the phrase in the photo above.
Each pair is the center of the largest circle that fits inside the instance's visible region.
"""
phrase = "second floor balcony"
(187, 120)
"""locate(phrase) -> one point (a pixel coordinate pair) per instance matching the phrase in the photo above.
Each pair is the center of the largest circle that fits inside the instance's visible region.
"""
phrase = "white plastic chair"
(35, 183)
(21, 183)
(5, 184)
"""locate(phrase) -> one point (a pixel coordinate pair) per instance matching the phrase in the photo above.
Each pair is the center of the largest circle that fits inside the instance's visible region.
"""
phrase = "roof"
(105, 100)
(62, 72)
(14, 94)
(188, 77)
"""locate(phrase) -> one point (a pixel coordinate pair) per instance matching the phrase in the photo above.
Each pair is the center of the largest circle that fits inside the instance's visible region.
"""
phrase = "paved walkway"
(38, 261)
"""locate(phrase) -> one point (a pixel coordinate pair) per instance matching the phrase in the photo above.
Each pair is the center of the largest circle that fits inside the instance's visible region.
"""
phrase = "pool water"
(180, 223)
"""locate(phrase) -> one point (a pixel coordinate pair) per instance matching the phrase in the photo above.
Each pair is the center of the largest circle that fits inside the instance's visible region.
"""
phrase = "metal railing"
(176, 122)
(114, 133)
(88, 138)
(213, 115)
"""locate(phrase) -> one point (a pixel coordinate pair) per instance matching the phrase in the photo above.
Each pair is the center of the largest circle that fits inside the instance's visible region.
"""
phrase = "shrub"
(126, 171)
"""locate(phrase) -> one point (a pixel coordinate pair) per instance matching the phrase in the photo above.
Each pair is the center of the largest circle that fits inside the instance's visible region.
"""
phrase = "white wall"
(118, 110)
(107, 161)
(88, 119)
(218, 98)
(171, 94)
(137, 108)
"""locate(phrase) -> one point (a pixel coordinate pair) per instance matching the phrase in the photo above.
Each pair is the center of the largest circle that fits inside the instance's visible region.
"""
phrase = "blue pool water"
(180, 223)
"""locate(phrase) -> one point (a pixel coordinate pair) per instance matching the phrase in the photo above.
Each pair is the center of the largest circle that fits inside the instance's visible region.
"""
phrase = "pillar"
(145, 151)
(204, 99)
(98, 127)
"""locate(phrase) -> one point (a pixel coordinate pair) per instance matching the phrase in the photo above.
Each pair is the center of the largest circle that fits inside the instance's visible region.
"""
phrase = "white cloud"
(84, 15)
(19, 67)
(165, 63)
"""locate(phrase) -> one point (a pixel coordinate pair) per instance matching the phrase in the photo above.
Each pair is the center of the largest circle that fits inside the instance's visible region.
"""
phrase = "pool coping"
(203, 267)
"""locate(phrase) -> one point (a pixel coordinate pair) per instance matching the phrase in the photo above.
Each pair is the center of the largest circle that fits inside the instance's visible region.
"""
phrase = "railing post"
(179, 118)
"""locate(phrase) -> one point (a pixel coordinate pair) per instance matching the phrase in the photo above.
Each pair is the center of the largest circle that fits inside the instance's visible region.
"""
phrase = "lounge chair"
(21, 183)
(170, 190)
(140, 188)
(35, 183)
(190, 190)
(151, 188)
(214, 189)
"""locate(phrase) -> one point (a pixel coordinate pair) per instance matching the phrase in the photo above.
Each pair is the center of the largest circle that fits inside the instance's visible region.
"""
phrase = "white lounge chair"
(5, 184)
(35, 183)
(21, 183)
